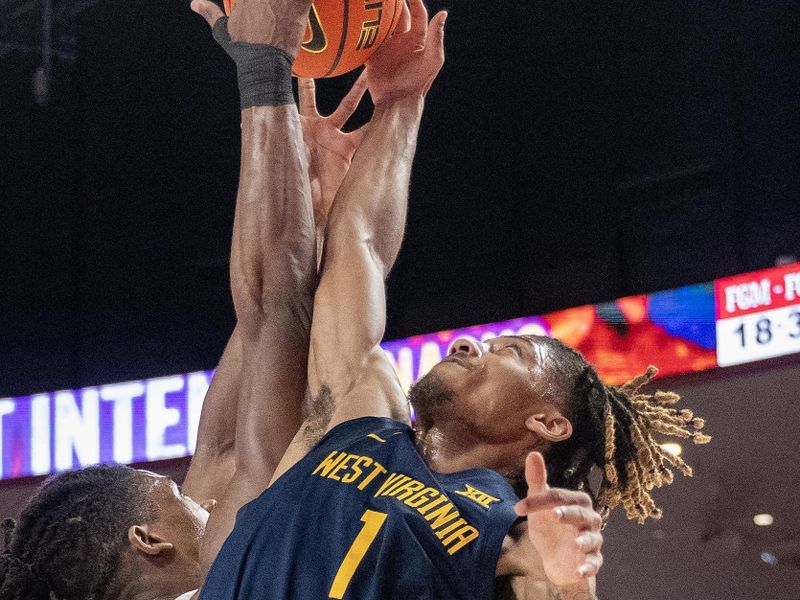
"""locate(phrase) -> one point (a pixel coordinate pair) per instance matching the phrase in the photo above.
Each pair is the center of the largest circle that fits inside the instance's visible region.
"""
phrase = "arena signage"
(732, 321)
(758, 315)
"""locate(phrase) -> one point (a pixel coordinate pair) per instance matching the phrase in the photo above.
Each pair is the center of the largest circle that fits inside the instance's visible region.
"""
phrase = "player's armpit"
(376, 392)
(350, 376)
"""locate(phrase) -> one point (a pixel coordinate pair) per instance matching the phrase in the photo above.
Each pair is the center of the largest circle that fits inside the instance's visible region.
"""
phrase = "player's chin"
(436, 388)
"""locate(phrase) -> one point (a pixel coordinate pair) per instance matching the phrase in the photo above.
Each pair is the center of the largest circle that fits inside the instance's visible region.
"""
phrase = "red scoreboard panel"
(758, 315)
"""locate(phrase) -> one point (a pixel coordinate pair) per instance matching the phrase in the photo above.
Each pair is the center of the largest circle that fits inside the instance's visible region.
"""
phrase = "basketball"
(342, 34)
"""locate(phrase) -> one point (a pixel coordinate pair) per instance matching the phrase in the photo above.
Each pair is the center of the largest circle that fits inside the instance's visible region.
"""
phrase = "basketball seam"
(343, 40)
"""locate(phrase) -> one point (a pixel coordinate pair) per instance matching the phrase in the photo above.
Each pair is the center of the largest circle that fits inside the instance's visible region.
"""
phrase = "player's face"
(180, 520)
(494, 386)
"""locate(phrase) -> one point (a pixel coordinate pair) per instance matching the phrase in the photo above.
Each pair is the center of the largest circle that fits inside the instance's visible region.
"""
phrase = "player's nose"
(471, 346)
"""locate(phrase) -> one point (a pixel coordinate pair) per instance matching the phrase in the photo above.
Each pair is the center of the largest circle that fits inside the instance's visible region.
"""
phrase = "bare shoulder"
(375, 393)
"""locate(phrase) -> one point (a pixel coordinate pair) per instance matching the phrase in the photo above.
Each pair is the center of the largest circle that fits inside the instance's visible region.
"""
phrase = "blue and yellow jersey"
(362, 517)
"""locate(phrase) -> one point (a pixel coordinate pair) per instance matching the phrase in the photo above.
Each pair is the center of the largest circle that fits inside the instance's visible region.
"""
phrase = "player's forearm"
(273, 272)
(273, 256)
(372, 201)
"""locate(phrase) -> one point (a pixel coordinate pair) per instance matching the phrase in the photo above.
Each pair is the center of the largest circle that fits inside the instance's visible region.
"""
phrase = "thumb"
(535, 473)
(208, 10)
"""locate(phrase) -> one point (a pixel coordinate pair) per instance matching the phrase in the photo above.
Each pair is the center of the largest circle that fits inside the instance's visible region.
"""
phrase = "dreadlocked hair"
(69, 539)
(614, 429)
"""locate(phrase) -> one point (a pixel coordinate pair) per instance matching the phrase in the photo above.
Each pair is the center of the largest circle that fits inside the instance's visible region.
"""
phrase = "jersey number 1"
(373, 521)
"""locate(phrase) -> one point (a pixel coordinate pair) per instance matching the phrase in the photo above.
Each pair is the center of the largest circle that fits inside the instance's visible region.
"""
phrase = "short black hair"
(71, 534)
(614, 429)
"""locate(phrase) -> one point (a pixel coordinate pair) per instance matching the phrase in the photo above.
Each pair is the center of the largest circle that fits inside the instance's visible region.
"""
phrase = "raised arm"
(261, 383)
(329, 153)
(349, 375)
(363, 237)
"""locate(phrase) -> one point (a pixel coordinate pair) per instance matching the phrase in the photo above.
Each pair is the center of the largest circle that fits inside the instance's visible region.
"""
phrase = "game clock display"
(758, 315)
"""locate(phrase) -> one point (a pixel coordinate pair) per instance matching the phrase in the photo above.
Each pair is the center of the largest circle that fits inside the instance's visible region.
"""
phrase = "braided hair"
(614, 429)
(69, 539)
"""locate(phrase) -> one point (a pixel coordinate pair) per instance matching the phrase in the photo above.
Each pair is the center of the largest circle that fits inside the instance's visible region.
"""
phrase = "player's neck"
(150, 582)
(449, 451)
(142, 590)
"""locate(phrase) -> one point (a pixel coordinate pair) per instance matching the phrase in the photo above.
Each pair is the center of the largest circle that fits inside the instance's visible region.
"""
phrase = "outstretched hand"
(562, 525)
(410, 59)
(329, 149)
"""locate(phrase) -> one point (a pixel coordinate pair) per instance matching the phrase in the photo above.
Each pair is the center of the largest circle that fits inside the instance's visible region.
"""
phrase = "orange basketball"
(342, 34)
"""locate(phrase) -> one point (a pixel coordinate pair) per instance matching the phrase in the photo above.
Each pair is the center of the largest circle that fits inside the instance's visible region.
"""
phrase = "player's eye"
(515, 348)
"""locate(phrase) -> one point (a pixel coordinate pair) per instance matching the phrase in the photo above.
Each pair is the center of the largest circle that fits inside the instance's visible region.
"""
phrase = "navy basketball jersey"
(361, 517)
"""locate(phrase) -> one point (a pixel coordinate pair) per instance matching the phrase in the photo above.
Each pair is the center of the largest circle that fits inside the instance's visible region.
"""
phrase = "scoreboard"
(758, 315)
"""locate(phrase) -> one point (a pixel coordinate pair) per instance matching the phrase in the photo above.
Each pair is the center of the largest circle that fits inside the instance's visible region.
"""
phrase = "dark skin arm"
(329, 151)
(213, 463)
(255, 402)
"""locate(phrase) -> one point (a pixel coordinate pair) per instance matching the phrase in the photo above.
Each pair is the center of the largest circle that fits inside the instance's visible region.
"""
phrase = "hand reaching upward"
(279, 23)
(562, 526)
(408, 61)
(330, 150)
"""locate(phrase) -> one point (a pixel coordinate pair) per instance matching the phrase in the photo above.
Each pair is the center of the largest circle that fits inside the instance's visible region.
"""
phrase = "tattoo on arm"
(572, 592)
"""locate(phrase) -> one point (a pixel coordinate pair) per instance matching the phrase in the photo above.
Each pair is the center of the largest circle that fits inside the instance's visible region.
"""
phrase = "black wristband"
(264, 71)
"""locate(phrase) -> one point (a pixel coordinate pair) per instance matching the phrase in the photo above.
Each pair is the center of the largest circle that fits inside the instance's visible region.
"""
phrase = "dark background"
(571, 152)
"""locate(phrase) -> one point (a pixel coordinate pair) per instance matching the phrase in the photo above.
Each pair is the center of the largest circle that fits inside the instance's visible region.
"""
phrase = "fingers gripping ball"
(342, 34)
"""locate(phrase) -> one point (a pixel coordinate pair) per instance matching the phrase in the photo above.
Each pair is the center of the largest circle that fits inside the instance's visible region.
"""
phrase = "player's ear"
(145, 541)
(551, 426)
